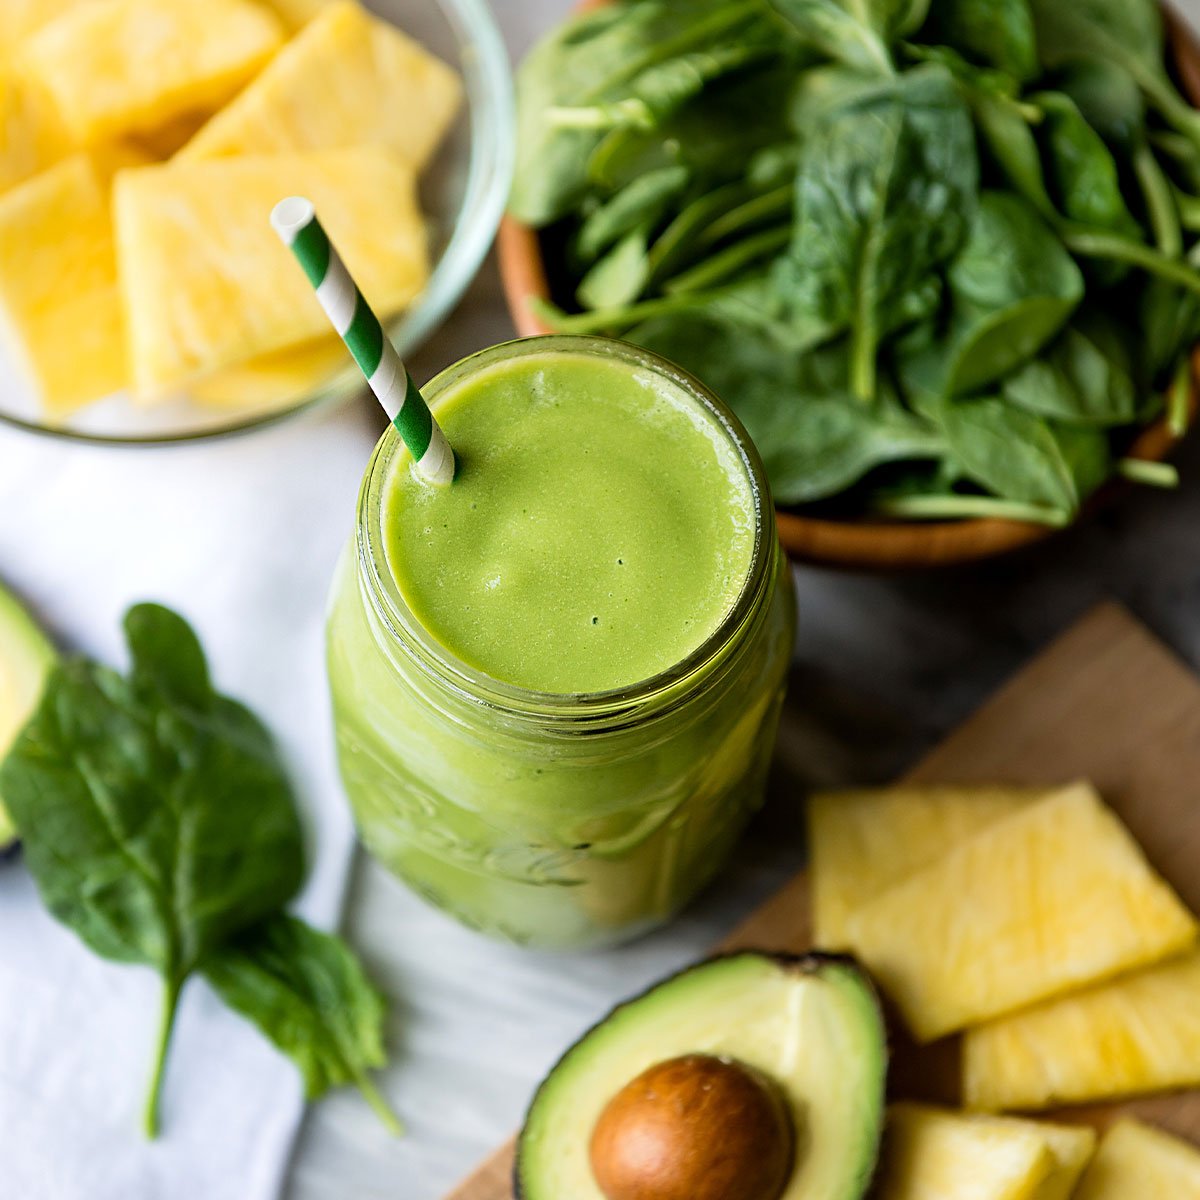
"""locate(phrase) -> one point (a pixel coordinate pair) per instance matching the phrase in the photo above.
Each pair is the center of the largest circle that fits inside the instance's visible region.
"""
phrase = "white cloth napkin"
(241, 536)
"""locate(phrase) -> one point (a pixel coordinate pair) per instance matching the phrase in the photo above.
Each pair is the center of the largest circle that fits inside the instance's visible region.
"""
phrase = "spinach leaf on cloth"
(309, 995)
(885, 194)
(156, 817)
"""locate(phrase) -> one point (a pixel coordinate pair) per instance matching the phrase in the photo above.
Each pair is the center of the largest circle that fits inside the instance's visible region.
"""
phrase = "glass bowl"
(463, 192)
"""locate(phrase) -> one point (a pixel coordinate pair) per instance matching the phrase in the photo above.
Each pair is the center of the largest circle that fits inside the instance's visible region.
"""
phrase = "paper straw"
(296, 222)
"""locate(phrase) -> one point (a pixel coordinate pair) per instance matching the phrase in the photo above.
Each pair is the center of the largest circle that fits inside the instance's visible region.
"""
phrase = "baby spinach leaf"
(1012, 288)
(814, 445)
(884, 196)
(856, 32)
(1009, 452)
(826, 444)
(1002, 121)
(1084, 377)
(679, 242)
(619, 277)
(156, 816)
(642, 202)
(588, 61)
(994, 33)
(662, 89)
(1128, 33)
(1169, 320)
(716, 136)
(308, 993)
(1088, 456)
(1109, 99)
(1082, 171)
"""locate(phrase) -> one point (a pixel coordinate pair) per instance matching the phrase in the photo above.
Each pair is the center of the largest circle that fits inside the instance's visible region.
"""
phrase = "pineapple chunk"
(167, 140)
(206, 283)
(862, 842)
(1049, 900)
(930, 1154)
(346, 79)
(1137, 1034)
(20, 18)
(130, 66)
(934, 1154)
(295, 14)
(1071, 1147)
(275, 380)
(1139, 1162)
(32, 137)
(58, 285)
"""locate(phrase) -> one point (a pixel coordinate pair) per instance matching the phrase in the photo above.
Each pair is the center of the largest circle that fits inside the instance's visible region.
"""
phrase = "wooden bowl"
(871, 544)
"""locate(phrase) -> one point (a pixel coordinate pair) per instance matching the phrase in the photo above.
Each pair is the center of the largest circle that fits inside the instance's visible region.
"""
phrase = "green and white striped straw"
(296, 222)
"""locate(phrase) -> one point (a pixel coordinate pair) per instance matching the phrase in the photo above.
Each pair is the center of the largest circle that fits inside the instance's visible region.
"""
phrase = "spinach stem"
(956, 507)
(1188, 207)
(1179, 399)
(618, 318)
(1152, 474)
(1160, 202)
(1091, 244)
(171, 989)
(381, 1108)
(775, 203)
(728, 262)
(862, 360)
(622, 113)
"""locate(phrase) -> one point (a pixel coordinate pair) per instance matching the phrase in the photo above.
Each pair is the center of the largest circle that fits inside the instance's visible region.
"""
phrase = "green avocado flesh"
(26, 657)
(810, 1024)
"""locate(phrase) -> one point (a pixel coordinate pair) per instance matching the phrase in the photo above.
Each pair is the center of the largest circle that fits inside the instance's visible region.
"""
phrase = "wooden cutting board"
(1107, 702)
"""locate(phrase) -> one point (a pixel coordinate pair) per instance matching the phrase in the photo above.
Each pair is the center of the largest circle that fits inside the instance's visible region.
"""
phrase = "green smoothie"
(556, 681)
(599, 529)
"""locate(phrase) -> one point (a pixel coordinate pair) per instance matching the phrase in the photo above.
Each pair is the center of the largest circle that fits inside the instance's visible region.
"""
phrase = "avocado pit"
(696, 1127)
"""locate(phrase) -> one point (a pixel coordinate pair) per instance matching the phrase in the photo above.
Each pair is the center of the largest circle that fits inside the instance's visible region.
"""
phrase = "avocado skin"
(811, 962)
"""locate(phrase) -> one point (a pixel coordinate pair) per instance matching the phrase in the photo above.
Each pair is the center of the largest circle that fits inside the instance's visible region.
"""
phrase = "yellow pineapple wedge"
(58, 286)
(295, 14)
(1049, 900)
(346, 79)
(1136, 1034)
(273, 381)
(1138, 1162)
(206, 283)
(117, 67)
(935, 1154)
(20, 18)
(862, 842)
(1071, 1147)
(32, 137)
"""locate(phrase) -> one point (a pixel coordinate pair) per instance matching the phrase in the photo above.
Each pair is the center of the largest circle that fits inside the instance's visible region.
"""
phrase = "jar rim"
(407, 632)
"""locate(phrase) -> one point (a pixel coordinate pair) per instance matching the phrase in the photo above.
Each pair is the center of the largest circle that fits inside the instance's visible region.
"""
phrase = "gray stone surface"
(884, 668)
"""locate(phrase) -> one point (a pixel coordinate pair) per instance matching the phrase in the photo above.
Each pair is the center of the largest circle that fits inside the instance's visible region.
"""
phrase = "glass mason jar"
(559, 821)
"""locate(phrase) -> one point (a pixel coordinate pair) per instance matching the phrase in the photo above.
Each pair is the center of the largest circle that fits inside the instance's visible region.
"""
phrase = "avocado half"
(810, 1024)
(26, 658)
